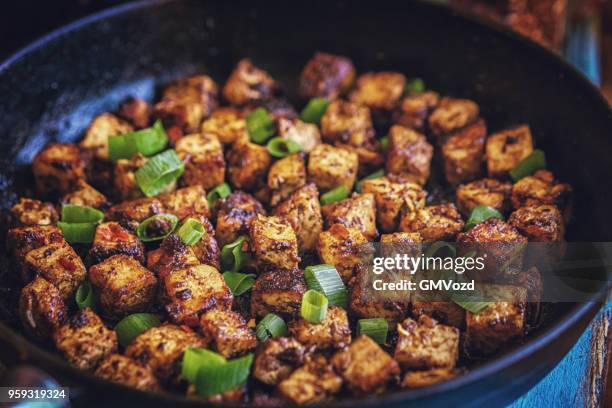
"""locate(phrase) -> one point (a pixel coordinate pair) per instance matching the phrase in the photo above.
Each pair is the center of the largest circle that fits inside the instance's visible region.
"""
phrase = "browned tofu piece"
(100, 129)
(131, 213)
(286, 176)
(441, 222)
(59, 264)
(41, 308)
(276, 358)
(393, 199)
(124, 286)
(203, 158)
(227, 124)
(206, 249)
(29, 212)
(227, 332)
(186, 102)
(400, 243)
(248, 164)
(277, 107)
(463, 153)
(370, 157)
(330, 167)
(507, 148)
(326, 75)
(414, 110)
(126, 371)
(490, 192)
(499, 324)
(171, 255)
(425, 344)
(234, 215)
(136, 111)
(347, 122)
(342, 247)
(448, 313)
(85, 195)
(306, 135)
(303, 211)
(358, 211)
(273, 242)
(365, 367)
(161, 348)
(314, 382)
(112, 239)
(542, 223)
(57, 168)
(451, 115)
(124, 178)
(278, 291)
(84, 340)
(192, 291)
(420, 379)
(247, 84)
(409, 154)
(332, 333)
(186, 201)
(21, 240)
(379, 90)
(542, 188)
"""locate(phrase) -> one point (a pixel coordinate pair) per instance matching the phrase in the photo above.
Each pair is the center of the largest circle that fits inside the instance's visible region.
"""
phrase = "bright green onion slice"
(326, 280)
(233, 258)
(337, 194)
(157, 227)
(415, 86)
(377, 174)
(78, 233)
(437, 246)
(271, 326)
(239, 283)
(376, 329)
(80, 214)
(279, 147)
(384, 143)
(191, 231)
(133, 325)
(529, 165)
(314, 110)
(159, 172)
(259, 125)
(214, 378)
(145, 141)
(314, 306)
(194, 358)
(85, 296)
(469, 302)
(480, 214)
(221, 191)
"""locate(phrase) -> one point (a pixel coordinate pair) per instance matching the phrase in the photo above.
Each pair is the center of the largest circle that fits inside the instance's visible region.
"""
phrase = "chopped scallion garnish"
(233, 258)
(314, 110)
(85, 296)
(72, 213)
(326, 280)
(314, 306)
(377, 174)
(279, 147)
(259, 125)
(376, 329)
(191, 231)
(337, 194)
(239, 283)
(214, 378)
(157, 227)
(529, 165)
(79, 222)
(159, 172)
(133, 325)
(194, 358)
(480, 214)
(415, 85)
(221, 191)
(271, 326)
(145, 141)
(384, 143)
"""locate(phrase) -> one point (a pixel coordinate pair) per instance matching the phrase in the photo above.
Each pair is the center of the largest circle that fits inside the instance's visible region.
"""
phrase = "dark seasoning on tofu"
(274, 205)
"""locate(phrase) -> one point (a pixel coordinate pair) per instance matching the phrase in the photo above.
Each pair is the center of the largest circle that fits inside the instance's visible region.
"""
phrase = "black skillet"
(52, 89)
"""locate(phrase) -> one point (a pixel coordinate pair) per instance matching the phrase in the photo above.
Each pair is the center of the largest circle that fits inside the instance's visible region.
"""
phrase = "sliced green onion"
(78, 233)
(314, 306)
(529, 165)
(85, 296)
(415, 85)
(259, 125)
(157, 227)
(271, 326)
(377, 174)
(214, 378)
(194, 358)
(314, 110)
(337, 194)
(159, 172)
(73, 214)
(145, 141)
(325, 279)
(238, 282)
(438, 246)
(133, 325)
(469, 302)
(279, 147)
(384, 143)
(480, 214)
(376, 329)
(191, 231)
(221, 191)
(233, 258)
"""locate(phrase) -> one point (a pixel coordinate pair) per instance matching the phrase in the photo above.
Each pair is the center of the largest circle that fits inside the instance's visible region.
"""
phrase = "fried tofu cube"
(194, 290)
(278, 291)
(420, 379)
(332, 333)
(370, 157)
(57, 168)
(414, 110)
(85, 195)
(303, 211)
(463, 152)
(409, 154)
(326, 75)
(248, 164)
(347, 122)
(358, 211)
(507, 148)
(84, 340)
(112, 239)
(234, 215)
(314, 382)
(136, 111)
(172, 255)
(286, 176)
(379, 90)
(448, 313)
(21, 240)
(273, 242)
(227, 124)
(441, 222)
(124, 285)
(41, 308)
(132, 212)
(228, 332)
(365, 367)
(500, 324)
(100, 129)
(59, 264)
(247, 84)
(124, 370)
(307, 135)
(490, 192)
(400, 243)
(161, 348)
(425, 344)
(186, 201)
(277, 107)
(330, 167)
(342, 247)
(203, 158)
(29, 212)
(543, 223)
(451, 115)
(393, 199)
(124, 178)
(542, 188)
(276, 358)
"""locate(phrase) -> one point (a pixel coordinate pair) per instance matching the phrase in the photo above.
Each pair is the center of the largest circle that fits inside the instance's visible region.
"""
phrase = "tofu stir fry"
(208, 244)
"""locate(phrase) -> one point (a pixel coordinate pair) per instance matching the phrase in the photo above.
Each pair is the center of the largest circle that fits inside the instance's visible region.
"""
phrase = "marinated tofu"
(41, 309)
(448, 313)
(273, 242)
(409, 155)
(414, 110)
(172, 255)
(248, 84)
(420, 379)
(112, 239)
(136, 111)
(358, 211)
(57, 168)
(542, 188)
(206, 249)
(342, 247)
(227, 124)
(227, 332)
(276, 358)
(490, 192)
(186, 201)
(463, 152)
(28, 212)
(314, 382)
(542, 223)
(85, 195)
(451, 115)
(278, 291)
(379, 90)
(248, 164)
(332, 333)
(347, 122)
(507, 148)
(21, 240)
(327, 76)
(100, 129)
(124, 370)
(286, 176)
(330, 167)
(441, 222)
(234, 216)
(307, 135)
(124, 177)
(132, 212)
(202, 154)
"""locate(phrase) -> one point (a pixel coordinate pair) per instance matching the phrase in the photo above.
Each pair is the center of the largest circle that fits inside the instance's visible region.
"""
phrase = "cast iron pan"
(53, 88)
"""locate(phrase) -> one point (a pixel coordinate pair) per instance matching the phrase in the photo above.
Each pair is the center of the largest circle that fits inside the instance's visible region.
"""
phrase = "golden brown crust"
(126, 371)
(276, 358)
(490, 192)
(409, 154)
(326, 75)
(29, 212)
(463, 153)
(332, 333)
(441, 222)
(358, 211)
(314, 382)
(41, 308)
(247, 84)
